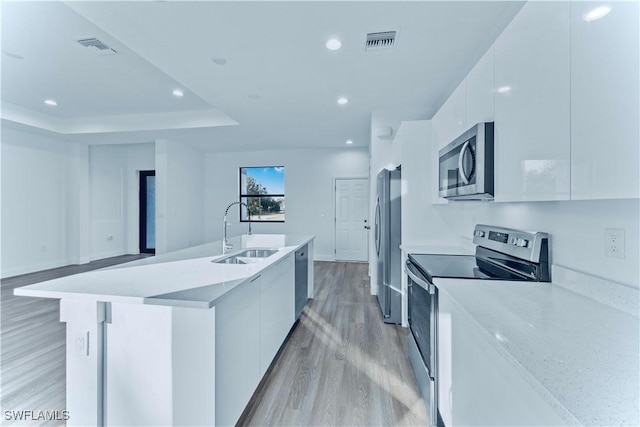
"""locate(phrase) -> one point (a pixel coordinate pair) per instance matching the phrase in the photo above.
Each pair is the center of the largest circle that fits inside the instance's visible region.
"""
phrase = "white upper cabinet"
(604, 101)
(480, 90)
(532, 105)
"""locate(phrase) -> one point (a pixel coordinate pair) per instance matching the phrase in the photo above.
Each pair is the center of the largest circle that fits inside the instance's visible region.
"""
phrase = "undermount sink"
(230, 260)
(257, 253)
(247, 256)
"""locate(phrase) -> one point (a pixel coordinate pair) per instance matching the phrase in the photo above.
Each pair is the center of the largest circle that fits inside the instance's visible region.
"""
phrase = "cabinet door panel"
(604, 102)
(237, 351)
(532, 113)
(277, 309)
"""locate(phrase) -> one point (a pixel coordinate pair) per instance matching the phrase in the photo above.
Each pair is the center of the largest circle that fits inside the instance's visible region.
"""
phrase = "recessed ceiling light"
(597, 13)
(219, 61)
(51, 102)
(504, 89)
(342, 100)
(334, 44)
(254, 96)
(178, 93)
(349, 142)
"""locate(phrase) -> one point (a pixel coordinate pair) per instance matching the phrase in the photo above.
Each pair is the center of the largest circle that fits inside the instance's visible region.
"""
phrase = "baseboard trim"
(18, 271)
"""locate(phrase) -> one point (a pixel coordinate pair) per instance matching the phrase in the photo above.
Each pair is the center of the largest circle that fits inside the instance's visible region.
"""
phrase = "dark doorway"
(148, 212)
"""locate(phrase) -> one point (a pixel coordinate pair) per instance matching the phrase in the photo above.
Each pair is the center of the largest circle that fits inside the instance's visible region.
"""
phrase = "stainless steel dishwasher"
(302, 285)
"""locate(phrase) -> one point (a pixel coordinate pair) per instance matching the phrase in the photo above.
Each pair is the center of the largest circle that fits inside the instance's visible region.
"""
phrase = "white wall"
(576, 228)
(34, 202)
(309, 191)
(114, 205)
(419, 217)
(180, 195)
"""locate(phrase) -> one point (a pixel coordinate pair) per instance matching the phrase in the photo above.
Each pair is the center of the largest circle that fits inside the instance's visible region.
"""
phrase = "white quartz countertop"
(582, 356)
(185, 282)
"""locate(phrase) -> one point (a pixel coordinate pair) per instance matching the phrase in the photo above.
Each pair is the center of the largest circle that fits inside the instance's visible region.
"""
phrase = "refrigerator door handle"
(377, 226)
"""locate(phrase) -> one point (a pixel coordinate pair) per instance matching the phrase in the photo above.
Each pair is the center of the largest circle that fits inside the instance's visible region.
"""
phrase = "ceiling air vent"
(97, 46)
(381, 41)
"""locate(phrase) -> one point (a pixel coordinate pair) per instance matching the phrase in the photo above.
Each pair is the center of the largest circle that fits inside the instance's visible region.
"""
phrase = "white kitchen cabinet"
(277, 309)
(532, 105)
(480, 91)
(237, 351)
(604, 102)
(477, 385)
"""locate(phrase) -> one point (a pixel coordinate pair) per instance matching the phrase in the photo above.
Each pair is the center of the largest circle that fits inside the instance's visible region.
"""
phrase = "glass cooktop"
(460, 267)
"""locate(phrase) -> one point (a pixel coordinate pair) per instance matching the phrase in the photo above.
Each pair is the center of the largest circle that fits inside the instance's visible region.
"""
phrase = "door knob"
(367, 227)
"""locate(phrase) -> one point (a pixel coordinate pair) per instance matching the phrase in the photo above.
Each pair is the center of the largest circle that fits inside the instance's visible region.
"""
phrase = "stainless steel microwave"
(466, 165)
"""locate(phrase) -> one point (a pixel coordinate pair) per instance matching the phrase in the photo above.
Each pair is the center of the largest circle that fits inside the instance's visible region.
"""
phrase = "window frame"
(241, 195)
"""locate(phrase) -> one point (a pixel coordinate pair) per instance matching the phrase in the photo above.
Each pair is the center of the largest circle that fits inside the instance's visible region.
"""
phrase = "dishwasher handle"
(429, 287)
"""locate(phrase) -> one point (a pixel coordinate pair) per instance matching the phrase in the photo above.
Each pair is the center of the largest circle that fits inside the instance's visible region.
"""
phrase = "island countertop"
(186, 278)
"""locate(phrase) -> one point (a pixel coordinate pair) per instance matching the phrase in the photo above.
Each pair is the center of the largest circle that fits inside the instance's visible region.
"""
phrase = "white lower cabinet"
(237, 351)
(477, 386)
(277, 309)
(251, 325)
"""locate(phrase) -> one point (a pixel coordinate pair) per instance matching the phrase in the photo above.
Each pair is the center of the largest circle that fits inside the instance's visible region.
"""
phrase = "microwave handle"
(461, 171)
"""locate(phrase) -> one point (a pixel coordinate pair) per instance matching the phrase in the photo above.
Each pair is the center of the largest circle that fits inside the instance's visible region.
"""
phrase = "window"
(262, 189)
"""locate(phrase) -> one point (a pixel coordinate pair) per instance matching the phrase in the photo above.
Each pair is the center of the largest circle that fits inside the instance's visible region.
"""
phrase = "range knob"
(522, 243)
(479, 233)
(513, 241)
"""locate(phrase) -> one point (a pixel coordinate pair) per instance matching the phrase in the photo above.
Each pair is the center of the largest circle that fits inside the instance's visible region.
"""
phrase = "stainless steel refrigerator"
(387, 238)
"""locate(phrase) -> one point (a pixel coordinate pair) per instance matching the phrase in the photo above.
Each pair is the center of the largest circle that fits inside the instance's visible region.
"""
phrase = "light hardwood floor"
(32, 340)
(341, 365)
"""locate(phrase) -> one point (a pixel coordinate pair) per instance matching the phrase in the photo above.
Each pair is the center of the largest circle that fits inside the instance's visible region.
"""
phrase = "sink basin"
(257, 253)
(247, 256)
(230, 260)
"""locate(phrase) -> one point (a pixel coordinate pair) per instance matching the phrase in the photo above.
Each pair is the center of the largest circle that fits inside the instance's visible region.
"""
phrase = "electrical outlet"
(43, 248)
(614, 243)
(109, 238)
(82, 343)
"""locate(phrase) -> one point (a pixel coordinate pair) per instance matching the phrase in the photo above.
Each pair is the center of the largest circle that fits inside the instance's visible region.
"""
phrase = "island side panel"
(84, 364)
(138, 371)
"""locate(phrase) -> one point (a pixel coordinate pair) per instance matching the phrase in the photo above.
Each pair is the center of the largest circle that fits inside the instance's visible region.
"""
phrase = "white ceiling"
(275, 51)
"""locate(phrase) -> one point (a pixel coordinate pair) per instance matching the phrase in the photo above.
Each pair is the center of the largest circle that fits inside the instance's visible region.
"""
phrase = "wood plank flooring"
(341, 364)
(32, 344)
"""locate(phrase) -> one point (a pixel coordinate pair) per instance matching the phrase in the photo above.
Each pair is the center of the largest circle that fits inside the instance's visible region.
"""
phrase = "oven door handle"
(423, 283)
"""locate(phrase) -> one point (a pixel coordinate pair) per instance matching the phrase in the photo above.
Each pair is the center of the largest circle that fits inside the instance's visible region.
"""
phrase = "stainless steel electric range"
(501, 254)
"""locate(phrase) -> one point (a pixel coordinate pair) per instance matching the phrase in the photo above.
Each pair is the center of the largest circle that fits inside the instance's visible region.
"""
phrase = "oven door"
(423, 315)
(422, 303)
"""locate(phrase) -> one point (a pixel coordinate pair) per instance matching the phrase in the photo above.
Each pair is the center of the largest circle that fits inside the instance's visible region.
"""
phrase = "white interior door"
(352, 226)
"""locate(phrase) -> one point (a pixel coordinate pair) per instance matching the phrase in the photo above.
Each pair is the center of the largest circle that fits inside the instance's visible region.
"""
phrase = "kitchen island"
(177, 339)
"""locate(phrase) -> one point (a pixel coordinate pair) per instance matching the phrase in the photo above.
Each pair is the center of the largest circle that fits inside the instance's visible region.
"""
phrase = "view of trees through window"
(262, 189)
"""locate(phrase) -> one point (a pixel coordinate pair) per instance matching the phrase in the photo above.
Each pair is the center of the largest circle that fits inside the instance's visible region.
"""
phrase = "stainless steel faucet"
(225, 243)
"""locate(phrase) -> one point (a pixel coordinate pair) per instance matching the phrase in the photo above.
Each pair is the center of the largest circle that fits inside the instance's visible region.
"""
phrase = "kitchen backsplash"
(577, 230)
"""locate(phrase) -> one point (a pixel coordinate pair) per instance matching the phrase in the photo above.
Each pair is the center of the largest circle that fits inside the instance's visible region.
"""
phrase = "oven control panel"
(522, 244)
(496, 236)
